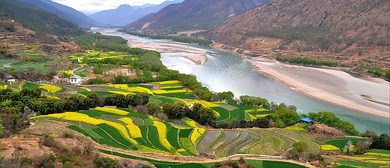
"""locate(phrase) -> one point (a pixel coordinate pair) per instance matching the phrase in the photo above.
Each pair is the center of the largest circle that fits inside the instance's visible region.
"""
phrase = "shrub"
(105, 162)
(68, 135)
(25, 161)
(301, 146)
(378, 73)
(48, 141)
(153, 108)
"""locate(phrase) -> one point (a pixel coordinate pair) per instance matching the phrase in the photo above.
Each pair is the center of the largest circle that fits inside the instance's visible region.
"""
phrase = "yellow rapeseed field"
(3, 87)
(162, 134)
(112, 110)
(69, 72)
(190, 122)
(196, 133)
(166, 82)
(134, 130)
(329, 148)
(170, 87)
(86, 88)
(377, 154)
(50, 88)
(122, 93)
(172, 91)
(78, 117)
(132, 89)
(295, 128)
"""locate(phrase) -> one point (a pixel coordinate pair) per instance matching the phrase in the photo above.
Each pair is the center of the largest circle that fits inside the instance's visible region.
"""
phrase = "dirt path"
(201, 160)
(8, 65)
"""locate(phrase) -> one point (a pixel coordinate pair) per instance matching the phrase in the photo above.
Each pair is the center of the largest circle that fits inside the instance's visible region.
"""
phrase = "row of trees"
(332, 120)
(307, 61)
(182, 39)
(122, 101)
(16, 107)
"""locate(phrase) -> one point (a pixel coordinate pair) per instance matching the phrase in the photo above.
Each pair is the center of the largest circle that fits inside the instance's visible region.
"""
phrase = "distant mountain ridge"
(126, 14)
(62, 11)
(196, 13)
(39, 20)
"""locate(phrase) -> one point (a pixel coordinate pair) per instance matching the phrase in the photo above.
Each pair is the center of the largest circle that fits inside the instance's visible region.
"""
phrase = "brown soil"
(325, 131)
(228, 107)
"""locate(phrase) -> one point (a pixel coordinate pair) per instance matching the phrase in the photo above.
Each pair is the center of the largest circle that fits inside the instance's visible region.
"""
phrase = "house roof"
(76, 76)
(306, 119)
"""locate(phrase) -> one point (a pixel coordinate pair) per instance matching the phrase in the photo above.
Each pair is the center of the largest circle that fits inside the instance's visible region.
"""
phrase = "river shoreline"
(301, 85)
(269, 67)
(227, 71)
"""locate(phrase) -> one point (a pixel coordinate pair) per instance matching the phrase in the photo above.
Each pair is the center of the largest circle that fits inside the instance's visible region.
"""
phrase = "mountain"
(38, 20)
(62, 11)
(196, 13)
(348, 27)
(126, 14)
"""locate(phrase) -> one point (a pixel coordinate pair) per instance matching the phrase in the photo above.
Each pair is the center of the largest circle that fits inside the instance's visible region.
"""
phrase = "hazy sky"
(92, 6)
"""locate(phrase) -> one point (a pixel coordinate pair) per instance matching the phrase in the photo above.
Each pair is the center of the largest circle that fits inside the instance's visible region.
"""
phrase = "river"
(226, 71)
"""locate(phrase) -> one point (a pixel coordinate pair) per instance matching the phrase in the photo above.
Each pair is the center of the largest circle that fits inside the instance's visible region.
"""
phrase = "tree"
(288, 117)
(301, 146)
(177, 111)
(153, 108)
(95, 98)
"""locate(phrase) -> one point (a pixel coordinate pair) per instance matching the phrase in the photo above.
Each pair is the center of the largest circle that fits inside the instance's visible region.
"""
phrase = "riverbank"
(198, 56)
(332, 86)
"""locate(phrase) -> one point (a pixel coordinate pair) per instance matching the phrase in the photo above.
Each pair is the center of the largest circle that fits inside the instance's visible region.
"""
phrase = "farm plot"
(167, 164)
(130, 88)
(297, 137)
(220, 141)
(266, 142)
(207, 140)
(340, 143)
(126, 129)
(50, 88)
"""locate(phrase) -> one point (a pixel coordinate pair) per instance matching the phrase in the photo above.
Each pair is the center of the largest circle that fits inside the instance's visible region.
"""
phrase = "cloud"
(93, 6)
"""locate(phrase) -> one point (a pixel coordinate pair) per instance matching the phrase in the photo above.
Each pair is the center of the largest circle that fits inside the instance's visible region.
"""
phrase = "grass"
(117, 135)
(223, 113)
(357, 164)
(154, 139)
(181, 95)
(30, 85)
(340, 143)
(167, 164)
(379, 151)
(273, 164)
(172, 137)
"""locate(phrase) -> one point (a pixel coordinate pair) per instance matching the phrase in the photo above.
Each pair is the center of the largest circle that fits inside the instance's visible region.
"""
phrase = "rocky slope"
(346, 28)
(196, 13)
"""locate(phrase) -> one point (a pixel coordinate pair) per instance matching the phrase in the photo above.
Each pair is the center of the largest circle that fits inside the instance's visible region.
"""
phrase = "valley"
(194, 83)
(214, 72)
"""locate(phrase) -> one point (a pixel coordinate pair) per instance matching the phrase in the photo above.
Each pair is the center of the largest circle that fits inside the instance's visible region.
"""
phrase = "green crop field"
(340, 143)
(166, 164)
(110, 131)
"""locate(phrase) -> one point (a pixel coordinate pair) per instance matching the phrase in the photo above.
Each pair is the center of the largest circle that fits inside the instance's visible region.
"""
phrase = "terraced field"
(169, 164)
(258, 141)
(126, 129)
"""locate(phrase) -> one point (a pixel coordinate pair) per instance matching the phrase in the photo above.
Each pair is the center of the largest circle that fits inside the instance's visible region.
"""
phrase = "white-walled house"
(75, 80)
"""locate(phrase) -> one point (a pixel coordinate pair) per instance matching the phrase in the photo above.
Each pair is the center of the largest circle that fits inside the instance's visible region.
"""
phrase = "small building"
(306, 120)
(75, 80)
